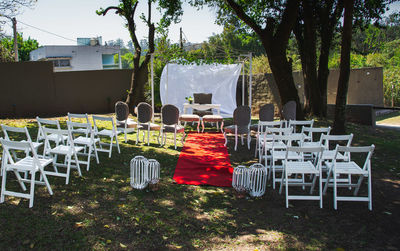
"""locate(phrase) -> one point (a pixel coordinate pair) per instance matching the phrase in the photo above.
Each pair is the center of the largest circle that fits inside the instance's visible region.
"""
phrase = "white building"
(89, 54)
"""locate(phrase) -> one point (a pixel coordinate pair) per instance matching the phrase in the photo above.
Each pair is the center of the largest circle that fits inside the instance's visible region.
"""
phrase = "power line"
(51, 33)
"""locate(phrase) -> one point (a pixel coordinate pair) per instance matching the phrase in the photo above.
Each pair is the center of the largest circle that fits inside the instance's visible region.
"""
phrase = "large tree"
(172, 10)
(343, 83)
(273, 22)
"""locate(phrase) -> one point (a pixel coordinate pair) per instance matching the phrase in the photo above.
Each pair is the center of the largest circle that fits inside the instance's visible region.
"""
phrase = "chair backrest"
(102, 118)
(279, 130)
(242, 115)
(17, 133)
(326, 140)
(289, 110)
(72, 126)
(10, 147)
(60, 134)
(317, 151)
(169, 115)
(266, 112)
(144, 112)
(121, 111)
(202, 98)
(309, 131)
(346, 150)
(295, 123)
(45, 122)
(287, 138)
(78, 116)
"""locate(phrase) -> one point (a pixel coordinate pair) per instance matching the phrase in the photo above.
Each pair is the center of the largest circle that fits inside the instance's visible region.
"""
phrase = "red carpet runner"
(204, 160)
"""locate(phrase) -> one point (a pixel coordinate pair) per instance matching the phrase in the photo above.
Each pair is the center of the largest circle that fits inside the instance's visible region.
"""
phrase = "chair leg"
(88, 159)
(236, 140)
(3, 184)
(320, 189)
(287, 189)
(46, 181)
(126, 139)
(334, 191)
(137, 136)
(226, 139)
(369, 191)
(77, 164)
(222, 126)
(95, 153)
(68, 170)
(175, 139)
(116, 140)
(111, 144)
(358, 185)
(32, 189)
(248, 141)
(148, 136)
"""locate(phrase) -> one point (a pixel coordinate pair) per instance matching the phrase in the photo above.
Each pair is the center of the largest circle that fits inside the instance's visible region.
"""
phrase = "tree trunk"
(282, 72)
(339, 126)
(328, 22)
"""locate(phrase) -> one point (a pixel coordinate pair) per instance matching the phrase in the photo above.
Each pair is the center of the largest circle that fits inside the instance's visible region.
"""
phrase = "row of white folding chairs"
(264, 127)
(274, 150)
(296, 169)
(85, 130)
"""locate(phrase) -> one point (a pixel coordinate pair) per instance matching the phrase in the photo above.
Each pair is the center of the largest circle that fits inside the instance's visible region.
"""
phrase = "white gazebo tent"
(182, 80)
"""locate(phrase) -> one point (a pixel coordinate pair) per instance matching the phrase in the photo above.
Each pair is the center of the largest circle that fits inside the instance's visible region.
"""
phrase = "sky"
(77, 18)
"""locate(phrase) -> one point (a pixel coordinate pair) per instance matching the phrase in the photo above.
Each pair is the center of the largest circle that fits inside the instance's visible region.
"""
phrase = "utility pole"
(14, 22)
(181, 39)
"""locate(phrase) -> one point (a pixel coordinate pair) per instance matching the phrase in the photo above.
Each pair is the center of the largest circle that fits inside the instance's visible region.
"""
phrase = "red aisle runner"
(204, 160)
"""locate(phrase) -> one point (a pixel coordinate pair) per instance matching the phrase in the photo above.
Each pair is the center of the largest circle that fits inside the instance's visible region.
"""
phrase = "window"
(61, 62)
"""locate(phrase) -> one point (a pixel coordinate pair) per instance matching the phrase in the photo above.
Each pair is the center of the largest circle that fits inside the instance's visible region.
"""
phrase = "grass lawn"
(101, 211)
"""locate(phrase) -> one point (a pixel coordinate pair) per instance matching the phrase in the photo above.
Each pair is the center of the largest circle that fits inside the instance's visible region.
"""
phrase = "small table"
(207, 118)
(201, 107)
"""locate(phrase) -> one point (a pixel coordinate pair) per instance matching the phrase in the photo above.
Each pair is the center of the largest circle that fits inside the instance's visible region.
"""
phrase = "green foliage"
(5, 54)
(24, 46)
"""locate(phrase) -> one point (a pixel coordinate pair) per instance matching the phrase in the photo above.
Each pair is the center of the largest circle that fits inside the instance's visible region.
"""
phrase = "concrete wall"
(365, 87)
(29, 89)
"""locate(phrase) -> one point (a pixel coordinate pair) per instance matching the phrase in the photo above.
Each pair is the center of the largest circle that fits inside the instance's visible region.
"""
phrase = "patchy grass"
(101, 211)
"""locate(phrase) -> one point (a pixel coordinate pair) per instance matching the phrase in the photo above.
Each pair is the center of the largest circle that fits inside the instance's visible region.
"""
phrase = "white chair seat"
(27, 162)
(311, 144)
(55, 137)
(301, 167)
(36, 145)
(348, 168)
(63, 150)
(130, 123)
(107, 133)
(280, 155)
(330, 155)
(84, 141)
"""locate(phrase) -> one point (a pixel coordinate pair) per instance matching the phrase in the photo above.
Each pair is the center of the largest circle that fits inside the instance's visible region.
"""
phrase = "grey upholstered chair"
(170, 123)
(202, 98)
(289, 111)
(145, 115)
(266, 113)
(124, 123)
(241, 125)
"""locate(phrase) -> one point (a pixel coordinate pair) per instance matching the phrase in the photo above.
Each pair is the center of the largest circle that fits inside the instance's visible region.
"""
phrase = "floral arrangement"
(189, 99)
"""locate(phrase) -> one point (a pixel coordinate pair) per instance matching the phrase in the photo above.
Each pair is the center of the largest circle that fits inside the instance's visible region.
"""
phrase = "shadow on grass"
(101, 211)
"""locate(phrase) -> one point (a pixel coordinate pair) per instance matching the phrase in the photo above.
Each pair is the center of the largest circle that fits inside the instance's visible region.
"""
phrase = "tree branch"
(243, 16)
(117, 10)
(289, 18)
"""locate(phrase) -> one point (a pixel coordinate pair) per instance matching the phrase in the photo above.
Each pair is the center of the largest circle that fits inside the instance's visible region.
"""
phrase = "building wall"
(83, 58)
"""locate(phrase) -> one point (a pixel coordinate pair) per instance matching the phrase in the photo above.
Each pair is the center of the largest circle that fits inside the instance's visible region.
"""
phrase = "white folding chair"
(261, 130)
(69, 150)
(28, 164)
(109, 133)
(300, 123)
(309, 138)
(293, 167)
(88, 141)
(52, 123)
(266, 142)
(20, 134)
(278, 153)
(349, 168)
(79, 118)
